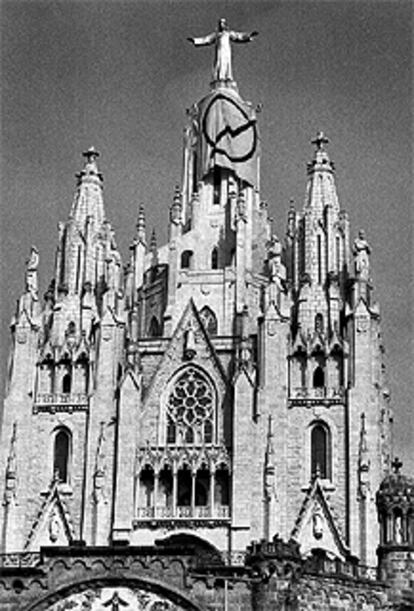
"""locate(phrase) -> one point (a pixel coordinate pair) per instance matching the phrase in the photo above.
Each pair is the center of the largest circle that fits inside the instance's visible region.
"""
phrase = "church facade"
(207, 426)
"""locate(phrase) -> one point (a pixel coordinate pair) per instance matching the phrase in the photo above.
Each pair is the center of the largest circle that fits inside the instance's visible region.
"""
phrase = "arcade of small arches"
(397, 525)
(183, 482)
(66, 377)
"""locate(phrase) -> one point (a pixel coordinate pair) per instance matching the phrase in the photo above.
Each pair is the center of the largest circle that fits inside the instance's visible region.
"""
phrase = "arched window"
(61, 455)
(318, 378)
(67, 383)
(186, 258)
(216, 184)
(154, 328)
(319, 323)
(209, 320)
(320, 451)
(190, 409)
(319, 255)
(214, 258)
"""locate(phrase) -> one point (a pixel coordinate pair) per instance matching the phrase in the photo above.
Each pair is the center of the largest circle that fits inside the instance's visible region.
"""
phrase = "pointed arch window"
(154, 328)
(186, 259)
(67, 383)
(319, 323)
(320, 451)
(62, 454)
(216, 184)
(191, 409)
(318, 377)
(214, 258)
(319, 256)
(209, 320)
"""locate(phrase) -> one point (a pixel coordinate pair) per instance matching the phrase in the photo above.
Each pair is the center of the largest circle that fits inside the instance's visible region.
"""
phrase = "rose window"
(190, 409)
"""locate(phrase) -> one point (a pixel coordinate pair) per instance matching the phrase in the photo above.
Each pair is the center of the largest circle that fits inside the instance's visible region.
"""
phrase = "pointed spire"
(90, 170)
(176, 207)
(321, 159)
(154, 248)
(141, 227)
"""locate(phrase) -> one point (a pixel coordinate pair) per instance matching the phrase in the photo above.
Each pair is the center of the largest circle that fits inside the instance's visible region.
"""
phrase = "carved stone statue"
(361, 252)
(31, 272)
(222, 37)
(54, 527)
(277, 271)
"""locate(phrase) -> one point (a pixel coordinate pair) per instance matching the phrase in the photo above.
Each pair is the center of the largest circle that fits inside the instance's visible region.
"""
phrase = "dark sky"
(119, 75)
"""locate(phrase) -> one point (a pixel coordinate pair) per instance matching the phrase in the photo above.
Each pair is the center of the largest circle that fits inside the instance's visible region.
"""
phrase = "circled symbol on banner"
(244, 150)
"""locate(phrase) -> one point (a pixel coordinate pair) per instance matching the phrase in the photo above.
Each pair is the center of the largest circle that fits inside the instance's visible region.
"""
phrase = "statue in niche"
(398, 530)
(31, 273)
(54, 526)
(361, 252)
(317, 523)
(222, 38)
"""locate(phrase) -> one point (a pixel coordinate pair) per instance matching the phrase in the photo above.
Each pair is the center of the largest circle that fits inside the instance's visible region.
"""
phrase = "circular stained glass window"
(190, 412)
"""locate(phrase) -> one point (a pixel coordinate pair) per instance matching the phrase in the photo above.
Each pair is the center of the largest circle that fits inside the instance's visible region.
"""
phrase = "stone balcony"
(60, 402)
(326, 395)
(198, 515)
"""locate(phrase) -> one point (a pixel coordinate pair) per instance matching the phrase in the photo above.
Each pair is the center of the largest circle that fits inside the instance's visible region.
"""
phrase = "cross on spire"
(320, 140)
(396, 465)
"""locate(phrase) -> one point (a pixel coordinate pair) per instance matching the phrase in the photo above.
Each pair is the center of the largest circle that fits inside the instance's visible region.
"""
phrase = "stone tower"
(224, 387)
(395, 503)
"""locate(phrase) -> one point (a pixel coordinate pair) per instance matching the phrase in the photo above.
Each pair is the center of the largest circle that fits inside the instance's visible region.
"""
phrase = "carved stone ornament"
(272, 327)
(317, 523)
(54, 527)
(362, 324)
(21, 336)
(115, 599)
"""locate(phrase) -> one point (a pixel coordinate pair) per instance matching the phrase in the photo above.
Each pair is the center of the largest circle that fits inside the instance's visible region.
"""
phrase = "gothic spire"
(88, 200)
(141, 226)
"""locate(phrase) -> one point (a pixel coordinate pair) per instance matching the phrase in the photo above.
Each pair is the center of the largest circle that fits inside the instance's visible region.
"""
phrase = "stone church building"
(206, 426)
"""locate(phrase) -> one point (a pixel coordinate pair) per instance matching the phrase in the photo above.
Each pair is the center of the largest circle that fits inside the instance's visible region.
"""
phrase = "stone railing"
(327, 394)
(338, 567)
(19, 560)
(184, 512)
(59, 402)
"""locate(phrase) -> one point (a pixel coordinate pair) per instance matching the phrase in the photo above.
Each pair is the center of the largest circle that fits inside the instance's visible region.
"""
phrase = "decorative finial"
(91, 155)
(320, 141)
(396, 465)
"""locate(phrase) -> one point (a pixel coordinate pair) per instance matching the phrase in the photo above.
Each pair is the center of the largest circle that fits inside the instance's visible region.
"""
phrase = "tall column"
(212, 479)
(174, 492)
(156, 485)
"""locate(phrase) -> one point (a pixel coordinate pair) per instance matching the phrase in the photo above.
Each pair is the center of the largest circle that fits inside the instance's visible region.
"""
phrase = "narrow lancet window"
(319, 255)
(216, 185)
(320, 451)
(214, 258)
(61, 455)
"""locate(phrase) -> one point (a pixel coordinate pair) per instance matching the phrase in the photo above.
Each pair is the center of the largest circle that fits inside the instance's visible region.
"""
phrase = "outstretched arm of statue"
(203, 40)
(243, 36)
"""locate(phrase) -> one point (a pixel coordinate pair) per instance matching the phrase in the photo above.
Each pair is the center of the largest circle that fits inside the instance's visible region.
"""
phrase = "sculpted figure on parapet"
(222, 37)
(31, 273)
(361, 252)
(277, 271)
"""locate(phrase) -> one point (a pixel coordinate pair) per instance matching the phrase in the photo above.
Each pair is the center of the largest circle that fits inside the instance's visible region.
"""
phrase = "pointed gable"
(316, 526)
(53, 524)
(189, 348)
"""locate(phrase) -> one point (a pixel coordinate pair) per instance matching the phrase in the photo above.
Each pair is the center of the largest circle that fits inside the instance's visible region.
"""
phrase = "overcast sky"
(119, 76)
